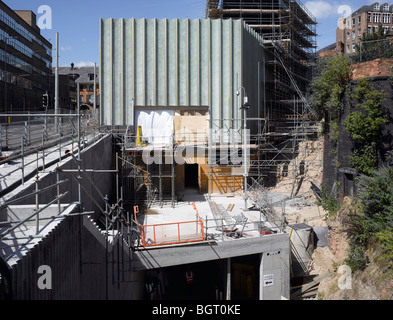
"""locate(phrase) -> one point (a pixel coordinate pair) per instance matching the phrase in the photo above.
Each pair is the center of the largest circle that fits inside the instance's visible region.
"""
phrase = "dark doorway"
(348, 184)
(191, 176)
(206, 281)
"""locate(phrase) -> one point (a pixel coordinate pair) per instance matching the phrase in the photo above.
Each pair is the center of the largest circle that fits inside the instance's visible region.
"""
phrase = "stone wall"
(370, 69)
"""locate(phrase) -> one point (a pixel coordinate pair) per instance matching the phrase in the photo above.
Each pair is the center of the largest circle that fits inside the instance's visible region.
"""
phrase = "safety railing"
(171, 233)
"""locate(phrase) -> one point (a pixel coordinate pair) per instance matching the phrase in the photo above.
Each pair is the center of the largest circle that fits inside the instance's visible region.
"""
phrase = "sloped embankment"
(375, 282)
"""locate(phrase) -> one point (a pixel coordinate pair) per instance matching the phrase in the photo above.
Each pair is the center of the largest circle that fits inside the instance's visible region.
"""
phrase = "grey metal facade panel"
(161, 62)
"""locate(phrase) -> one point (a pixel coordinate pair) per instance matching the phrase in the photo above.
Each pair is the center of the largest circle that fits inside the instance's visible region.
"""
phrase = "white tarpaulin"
(157, 126)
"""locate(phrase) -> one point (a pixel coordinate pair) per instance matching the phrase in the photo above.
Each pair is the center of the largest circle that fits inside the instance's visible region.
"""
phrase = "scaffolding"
(67, 138)
(288, 32)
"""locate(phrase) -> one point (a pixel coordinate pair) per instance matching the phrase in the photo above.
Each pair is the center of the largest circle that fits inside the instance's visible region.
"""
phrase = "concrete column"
(228, 294)
(261, 277)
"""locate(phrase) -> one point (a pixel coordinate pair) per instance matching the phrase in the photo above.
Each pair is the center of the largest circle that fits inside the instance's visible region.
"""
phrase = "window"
(377, 7)
(369, 29)
(347, 48)
(353, 35)
(386, 7)
(91, 76)
(353, 22)
(353, 48)
(386, 18)
(348, 36)
(360, 20)
(369, 17)
(377, 17)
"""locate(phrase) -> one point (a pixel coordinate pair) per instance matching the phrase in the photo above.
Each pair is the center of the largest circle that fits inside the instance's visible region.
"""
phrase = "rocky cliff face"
(373, 283)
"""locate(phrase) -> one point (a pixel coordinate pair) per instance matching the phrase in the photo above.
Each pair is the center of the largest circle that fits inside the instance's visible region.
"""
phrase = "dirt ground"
(304, 209)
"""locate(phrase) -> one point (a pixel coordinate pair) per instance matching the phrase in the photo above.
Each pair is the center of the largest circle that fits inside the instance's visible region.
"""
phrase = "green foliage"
(328, 86)
(385, 237)
(379, 35)
(364, 159)
(364, 125)
(376, 193)
(329, 202)
(374, 222)
(357, 259)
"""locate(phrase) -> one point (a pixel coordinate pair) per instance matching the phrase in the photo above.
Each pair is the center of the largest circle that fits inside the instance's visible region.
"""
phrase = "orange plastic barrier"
(171, 233)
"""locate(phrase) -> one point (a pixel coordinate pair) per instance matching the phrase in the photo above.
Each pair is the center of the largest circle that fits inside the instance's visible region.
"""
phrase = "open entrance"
(191, 176)
(204, 281)
(348, 184)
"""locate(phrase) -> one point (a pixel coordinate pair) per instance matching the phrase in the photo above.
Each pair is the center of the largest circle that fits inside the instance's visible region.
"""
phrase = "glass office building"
(25, 62)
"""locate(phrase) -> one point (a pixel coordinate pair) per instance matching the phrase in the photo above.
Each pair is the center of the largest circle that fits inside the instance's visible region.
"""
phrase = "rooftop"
(84, 75)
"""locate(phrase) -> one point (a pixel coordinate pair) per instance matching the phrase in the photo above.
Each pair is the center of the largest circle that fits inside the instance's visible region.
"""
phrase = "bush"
(374, 221)
(376, 193)
(357, 259)
(365, 159)
(329, 202)
(385, 237)
(364, 125)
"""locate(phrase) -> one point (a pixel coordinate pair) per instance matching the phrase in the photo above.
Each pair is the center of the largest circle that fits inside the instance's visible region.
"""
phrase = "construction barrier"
(171, 233)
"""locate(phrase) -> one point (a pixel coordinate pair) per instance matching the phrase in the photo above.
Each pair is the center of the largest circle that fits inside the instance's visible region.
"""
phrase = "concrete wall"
(82, 264)
(178, 63)
(274, 250)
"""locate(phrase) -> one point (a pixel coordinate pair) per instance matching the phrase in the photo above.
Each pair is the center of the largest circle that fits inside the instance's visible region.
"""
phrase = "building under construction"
(288, 32)
(197, 118)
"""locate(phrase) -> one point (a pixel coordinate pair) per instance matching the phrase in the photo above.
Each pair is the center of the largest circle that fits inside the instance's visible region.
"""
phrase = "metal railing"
(61, 142)
(171, 233)
(371, 50)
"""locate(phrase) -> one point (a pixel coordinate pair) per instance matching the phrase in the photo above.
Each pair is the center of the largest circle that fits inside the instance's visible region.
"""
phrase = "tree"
(329, 84)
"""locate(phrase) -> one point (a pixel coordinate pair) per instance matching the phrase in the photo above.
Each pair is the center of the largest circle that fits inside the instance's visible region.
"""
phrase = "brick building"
(84, 76)
(365, 20)
(330, 49)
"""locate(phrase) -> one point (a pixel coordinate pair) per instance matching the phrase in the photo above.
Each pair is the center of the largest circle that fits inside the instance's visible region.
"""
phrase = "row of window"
(385, 18)
(371, 29)
(377, 17)
(11, 22)
(16, 62)
(377, 7)
(15, 79)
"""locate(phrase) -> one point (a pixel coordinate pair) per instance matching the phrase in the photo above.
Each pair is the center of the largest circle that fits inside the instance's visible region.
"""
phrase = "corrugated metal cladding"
(172, 63)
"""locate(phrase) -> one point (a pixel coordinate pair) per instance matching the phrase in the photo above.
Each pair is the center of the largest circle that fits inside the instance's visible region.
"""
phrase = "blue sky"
(78, 21)
(327, 14)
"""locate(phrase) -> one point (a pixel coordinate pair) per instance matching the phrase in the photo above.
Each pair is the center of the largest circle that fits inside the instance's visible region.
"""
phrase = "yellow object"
(139, 136)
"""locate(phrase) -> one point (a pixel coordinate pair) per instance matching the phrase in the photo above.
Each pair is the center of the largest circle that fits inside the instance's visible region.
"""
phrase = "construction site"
(204, 158)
